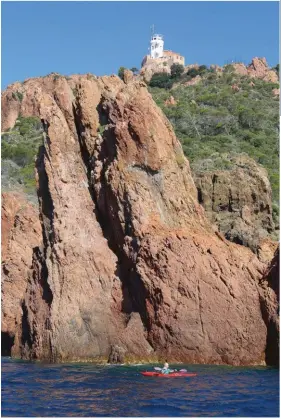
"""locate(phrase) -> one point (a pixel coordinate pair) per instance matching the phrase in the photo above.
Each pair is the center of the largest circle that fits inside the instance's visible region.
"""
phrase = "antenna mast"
(152, 30)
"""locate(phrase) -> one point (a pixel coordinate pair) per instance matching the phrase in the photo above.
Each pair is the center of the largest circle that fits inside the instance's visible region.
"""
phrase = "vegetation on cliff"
(223, 113)
(19, 149)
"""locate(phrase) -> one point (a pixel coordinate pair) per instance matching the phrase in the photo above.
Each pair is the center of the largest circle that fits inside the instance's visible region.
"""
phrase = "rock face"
(266, 250)
(257, 69)
(270, 309)
(237, 201)
(152, 67)
(171, 101)
(21, 232)
(130, 267)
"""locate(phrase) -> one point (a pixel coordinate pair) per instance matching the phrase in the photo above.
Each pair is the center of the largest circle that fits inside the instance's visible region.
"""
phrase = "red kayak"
(172, 374)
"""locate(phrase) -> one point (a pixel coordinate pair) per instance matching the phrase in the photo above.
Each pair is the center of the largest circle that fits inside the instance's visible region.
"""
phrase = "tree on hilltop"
(121, 72)
(176, 70)
(276, 68)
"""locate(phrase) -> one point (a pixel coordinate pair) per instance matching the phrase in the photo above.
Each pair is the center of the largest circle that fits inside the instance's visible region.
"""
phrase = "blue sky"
(98, 37)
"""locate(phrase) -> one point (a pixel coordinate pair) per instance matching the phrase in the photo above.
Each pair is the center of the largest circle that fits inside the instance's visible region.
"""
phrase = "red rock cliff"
(21, 234)
(128, 260)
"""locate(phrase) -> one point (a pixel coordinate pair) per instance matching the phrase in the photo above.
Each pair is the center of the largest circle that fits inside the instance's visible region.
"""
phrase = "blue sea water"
(37, 389)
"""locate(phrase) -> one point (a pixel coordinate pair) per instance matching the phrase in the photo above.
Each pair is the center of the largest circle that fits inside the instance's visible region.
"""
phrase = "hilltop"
(221, 113)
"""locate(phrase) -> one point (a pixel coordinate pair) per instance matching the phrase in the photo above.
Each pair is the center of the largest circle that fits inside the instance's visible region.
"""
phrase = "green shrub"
(202, 69)
(162, 80)
(180, 159)
(229, 68)
(276, 68)
(275, 213)
(28, 125)
(20, 146)
(121, 72)
(192, 72)
(74, 91)
(17, 96)
(101, 129)
(134, 70)
(176, 70)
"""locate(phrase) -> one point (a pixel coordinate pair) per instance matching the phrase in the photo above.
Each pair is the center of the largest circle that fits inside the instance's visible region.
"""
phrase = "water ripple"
(111, 391)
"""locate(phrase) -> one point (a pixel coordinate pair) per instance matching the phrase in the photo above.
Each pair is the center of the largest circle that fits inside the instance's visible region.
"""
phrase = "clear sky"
(98, 37)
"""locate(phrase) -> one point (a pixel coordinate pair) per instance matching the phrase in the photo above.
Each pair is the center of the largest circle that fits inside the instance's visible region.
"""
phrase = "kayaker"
(165, 369)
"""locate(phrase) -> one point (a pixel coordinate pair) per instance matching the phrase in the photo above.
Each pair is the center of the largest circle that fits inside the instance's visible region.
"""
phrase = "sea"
(32, 389)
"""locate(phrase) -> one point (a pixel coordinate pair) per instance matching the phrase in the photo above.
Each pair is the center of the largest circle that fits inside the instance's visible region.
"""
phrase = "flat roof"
(156, 35)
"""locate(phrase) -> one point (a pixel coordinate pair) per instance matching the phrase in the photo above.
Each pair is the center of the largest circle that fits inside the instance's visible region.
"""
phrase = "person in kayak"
(166, 369)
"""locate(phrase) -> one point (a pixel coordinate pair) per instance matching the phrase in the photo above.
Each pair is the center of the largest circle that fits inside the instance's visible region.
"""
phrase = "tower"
(156, 45)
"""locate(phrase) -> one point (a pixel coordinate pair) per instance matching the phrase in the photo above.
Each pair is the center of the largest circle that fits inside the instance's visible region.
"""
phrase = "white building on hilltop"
(156, 46)
(158, 54)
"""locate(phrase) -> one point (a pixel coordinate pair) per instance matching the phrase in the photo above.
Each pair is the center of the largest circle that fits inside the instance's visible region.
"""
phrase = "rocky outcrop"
(130, 267)
(128, 76)
(216, 68)
(235, 87)
(240, 68)
(237, 201)
(266, 250)
(21, 233)
(171, 101)
(257, 69)
(192, 82)
(190, 66)
(152, 67)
